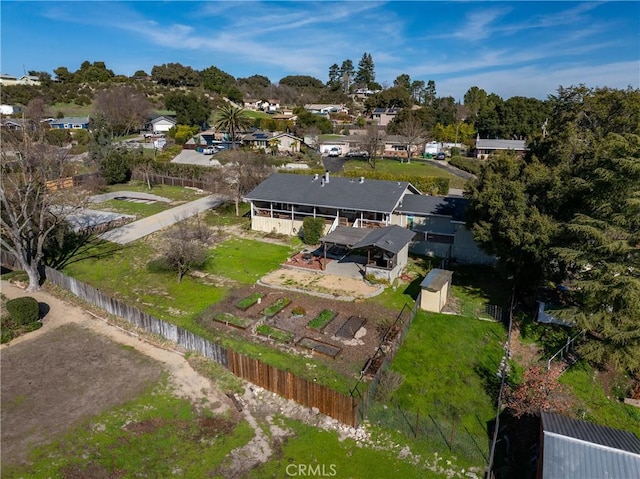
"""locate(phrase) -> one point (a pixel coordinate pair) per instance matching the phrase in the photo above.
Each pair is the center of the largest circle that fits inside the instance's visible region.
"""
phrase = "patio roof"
(345, 236)
(390, 238)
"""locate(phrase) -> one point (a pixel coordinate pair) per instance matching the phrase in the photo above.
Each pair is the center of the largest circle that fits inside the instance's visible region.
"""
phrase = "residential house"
(325, 108)
(271, 106)
(71, 123)
(287, 143)
(161, 124)
(9, 109)
(384, 116)
(257, 139)
(8, 80)
(282, 201)
(441, 230)
(252, 104)
(575, 449)
(485, 147)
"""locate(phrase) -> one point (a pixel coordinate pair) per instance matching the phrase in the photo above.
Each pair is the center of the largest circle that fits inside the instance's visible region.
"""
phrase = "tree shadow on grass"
(66, 247)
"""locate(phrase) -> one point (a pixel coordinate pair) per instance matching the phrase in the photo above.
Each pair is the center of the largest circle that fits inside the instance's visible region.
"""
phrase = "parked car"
(441, 156)
(335, 151)
(209, 151)
(358, 154)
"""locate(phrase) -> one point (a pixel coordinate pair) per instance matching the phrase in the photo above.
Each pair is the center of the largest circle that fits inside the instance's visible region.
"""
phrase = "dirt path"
(187, 382)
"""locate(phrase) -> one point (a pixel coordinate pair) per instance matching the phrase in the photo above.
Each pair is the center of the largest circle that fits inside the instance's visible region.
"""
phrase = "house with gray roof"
(71, 123)
(439, 223)
(485, 147)
(436, 224)
(575, 449)
(282, 202)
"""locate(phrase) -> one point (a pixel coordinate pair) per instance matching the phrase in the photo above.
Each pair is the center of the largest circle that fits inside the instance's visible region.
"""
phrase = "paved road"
(146, 226)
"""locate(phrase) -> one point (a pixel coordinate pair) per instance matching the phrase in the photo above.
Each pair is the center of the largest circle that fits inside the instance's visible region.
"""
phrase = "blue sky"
(507, 48)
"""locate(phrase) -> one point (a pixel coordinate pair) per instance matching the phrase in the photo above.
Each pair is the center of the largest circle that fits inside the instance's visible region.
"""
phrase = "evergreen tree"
(366, 71)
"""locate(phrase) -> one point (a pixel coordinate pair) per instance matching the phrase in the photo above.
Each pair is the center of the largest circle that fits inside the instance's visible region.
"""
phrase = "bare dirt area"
(354, 350)
(75, 367)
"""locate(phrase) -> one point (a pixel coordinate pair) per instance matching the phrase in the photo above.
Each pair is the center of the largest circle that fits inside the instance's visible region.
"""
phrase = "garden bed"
(277, 334)
(323, 318)
(274, 308)
(350, 327)
(246, 303)
(320, 347)
(232, 320)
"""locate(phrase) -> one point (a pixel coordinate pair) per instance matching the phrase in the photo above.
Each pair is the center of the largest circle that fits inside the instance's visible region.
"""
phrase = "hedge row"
(469, 165)
(432, 185)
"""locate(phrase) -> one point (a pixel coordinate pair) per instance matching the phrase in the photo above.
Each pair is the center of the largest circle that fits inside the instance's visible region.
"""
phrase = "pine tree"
(366, 71)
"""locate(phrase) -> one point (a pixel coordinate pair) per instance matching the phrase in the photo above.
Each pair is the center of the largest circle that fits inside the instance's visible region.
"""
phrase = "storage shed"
(434, 290)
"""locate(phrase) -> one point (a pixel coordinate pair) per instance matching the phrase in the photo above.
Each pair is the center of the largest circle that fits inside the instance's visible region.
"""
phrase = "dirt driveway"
(77, 366)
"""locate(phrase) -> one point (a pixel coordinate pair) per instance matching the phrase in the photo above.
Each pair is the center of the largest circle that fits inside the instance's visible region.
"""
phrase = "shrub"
(312, 230)
(298, 311)
(467, 164)
(24, 310)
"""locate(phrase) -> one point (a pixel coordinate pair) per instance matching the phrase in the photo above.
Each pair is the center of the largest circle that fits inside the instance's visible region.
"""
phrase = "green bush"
(24, 310)
(433, 185)
(467, 164)
(312, 230)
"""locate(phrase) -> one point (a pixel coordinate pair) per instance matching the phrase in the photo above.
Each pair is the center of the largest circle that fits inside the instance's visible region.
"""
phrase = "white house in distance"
(161, 124)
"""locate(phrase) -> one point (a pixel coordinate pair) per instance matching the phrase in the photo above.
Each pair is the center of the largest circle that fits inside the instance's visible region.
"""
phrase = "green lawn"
(315, 448)
(245, 260)
(155, 435)
(174, 193)
(414, 168)
(592, 404)
(69, 109)
(449, 366)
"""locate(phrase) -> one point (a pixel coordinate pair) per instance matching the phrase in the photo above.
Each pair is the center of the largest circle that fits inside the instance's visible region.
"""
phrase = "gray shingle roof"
(433, 205)
(517, 145)
(72, 120)
(390, 238)
(345, 236)
(346, 193)
(575, 449)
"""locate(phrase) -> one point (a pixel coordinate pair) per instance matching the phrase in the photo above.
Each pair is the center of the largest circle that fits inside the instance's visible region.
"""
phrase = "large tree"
(32, 204)
(366, 74)
(123, 108)
(232, 120)
(571, 211)
(190, 109)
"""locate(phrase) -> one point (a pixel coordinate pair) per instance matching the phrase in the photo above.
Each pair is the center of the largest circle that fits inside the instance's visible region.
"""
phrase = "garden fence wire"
(435, 432)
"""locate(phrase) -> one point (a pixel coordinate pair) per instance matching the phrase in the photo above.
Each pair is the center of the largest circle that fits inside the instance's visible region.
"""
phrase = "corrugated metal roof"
(575, 449)
(345, 193)
(590, 432)
(569, 458)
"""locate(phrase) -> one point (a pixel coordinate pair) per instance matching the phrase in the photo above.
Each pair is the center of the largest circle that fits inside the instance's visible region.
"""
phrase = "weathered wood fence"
(284, 383)
(171, 180)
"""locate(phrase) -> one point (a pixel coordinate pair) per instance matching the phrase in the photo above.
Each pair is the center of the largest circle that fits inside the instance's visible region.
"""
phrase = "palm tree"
(232, 119)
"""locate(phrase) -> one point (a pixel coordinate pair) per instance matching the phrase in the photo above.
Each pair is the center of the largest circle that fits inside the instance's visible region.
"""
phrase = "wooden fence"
(284, 383)
(171, 180)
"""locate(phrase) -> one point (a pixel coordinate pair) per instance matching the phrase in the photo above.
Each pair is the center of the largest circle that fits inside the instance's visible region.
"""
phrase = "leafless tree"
(123, 108)
(243, 172)
(413, 132)
(185, 246)
(371, 143)
(34, 201)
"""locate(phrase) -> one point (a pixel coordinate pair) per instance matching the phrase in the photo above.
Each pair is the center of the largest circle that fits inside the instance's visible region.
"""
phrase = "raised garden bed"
(232, 320)
(323, 318)
(319, 347)
(276, 307)
(246, 303)
(350, 327)
(276, 334)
